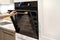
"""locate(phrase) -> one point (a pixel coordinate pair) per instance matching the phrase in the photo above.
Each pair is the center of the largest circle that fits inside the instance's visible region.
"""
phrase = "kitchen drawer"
(8, 36)
(1, 35)
(8, 32)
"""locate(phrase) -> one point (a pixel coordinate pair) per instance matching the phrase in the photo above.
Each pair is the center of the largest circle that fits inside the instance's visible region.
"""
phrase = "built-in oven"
(26, 21)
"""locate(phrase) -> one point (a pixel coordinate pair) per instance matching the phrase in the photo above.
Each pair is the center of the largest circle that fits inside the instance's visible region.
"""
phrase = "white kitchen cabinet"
(23, 0)
(6, 1)
(49, 19)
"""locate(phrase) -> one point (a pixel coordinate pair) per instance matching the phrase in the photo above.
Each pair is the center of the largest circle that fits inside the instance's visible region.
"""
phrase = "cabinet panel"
(1, 35)
(6, 1)
(8, 36)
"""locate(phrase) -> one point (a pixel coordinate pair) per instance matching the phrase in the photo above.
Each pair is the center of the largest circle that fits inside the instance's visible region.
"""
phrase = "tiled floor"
(23, 37)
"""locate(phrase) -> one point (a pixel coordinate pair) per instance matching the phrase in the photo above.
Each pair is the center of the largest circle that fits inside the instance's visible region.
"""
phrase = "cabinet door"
(6, 1)
(1, 35)
(8, 36)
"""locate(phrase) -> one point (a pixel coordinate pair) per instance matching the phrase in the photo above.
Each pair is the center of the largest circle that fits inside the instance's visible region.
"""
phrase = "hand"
(13, 13)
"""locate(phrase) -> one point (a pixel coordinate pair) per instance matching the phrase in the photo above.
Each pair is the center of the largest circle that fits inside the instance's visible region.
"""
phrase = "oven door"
(23, 24)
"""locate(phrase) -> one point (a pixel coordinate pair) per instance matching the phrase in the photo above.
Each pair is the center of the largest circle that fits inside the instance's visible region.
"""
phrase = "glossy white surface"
(49, 16)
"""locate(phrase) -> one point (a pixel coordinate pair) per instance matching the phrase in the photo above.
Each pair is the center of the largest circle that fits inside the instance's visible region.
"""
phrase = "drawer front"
(8, 37)
(8, 32)
(1, 34)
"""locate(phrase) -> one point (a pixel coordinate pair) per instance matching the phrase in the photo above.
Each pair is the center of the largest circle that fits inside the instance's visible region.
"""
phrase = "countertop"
(7, 24)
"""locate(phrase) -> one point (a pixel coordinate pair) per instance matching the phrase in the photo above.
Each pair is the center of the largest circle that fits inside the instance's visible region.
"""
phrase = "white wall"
(50, 19)
(5, 7)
